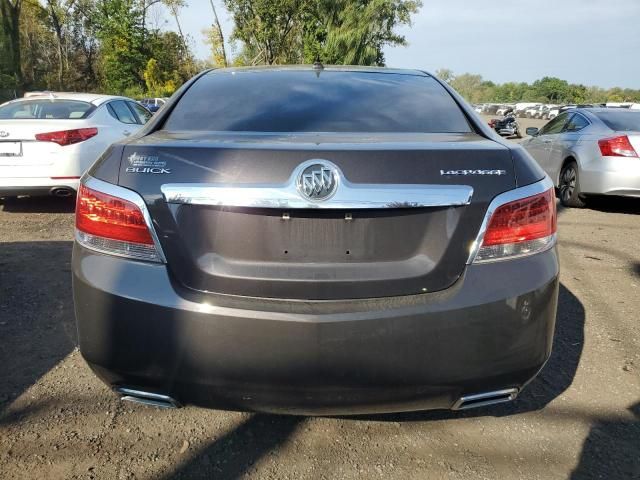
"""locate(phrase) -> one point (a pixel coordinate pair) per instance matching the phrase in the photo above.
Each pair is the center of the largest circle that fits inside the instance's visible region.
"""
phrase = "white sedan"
(48, 140)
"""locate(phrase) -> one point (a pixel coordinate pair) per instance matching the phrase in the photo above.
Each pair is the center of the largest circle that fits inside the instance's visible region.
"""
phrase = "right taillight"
(108, 223)
(521, 227)
(617, 147)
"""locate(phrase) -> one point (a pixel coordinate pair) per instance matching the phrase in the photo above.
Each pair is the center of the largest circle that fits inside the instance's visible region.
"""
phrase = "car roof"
(317, 69)
(604, 109)
(94, 98)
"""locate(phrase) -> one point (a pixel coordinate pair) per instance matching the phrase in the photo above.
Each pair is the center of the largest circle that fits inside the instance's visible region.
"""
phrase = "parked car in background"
(520, 108)
(503, 109)
(490, 109)
(589, 151)
(329, 247)
(48, 140)
(534, 111)
(553, 113)
(153, 104)
(545, 111)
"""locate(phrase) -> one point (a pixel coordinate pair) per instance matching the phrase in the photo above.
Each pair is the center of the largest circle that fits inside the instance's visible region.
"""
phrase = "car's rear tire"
(569, 187)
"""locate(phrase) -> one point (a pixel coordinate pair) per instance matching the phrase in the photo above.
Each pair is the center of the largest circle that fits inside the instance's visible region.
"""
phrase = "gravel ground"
(579, 419)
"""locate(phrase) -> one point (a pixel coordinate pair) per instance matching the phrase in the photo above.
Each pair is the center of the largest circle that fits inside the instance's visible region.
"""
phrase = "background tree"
(10, 47)
(551, 90)
(350, 32)
(268, 29)
(120, 32)
(445, 74)
(354, 32)
(216, 40)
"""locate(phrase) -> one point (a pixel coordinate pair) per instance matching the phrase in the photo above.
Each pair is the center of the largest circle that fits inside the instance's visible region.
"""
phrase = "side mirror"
(532, 131)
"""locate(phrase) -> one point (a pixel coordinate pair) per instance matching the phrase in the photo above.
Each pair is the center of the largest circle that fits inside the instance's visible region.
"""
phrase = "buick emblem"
(318, 181)
(3, 134)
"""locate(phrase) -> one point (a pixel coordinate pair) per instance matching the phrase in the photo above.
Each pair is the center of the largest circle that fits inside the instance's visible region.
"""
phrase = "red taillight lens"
(617, 147)
(520, 227)
(67, 137)
(106, 216)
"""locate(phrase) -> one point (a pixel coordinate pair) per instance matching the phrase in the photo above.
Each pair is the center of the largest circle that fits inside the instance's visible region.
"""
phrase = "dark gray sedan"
(316, 240)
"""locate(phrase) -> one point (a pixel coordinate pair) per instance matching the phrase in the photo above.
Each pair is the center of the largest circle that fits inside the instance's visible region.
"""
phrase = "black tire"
(569, 187)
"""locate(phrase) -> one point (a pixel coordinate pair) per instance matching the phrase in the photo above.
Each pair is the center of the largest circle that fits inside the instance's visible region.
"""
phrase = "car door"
(540, 145)
(564, 145)
(142, 114)
(127, 121)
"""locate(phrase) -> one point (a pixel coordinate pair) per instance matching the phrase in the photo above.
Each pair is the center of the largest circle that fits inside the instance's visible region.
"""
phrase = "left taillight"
(67, 137)
(617, 147)
(114, 223)
(521, 227)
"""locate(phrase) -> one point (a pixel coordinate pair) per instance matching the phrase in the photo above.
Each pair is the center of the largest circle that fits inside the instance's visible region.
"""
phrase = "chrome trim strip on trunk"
(347, 195)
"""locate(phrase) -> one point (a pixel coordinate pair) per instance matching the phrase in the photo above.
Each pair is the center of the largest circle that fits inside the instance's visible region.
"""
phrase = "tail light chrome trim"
(539, 245)
(347, 195)
(116, 247)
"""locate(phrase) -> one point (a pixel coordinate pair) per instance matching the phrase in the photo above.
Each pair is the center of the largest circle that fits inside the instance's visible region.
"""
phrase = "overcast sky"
(594, 42)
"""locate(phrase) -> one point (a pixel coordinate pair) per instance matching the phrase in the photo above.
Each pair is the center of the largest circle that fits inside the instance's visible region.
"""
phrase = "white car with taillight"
(48, 140)
(590, 151)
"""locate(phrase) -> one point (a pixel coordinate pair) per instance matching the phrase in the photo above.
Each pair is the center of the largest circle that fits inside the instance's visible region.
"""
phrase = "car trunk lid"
(19, 147)
(435, 189)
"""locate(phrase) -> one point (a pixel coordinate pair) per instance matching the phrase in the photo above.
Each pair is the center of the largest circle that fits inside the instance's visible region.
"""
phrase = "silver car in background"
(590, 151)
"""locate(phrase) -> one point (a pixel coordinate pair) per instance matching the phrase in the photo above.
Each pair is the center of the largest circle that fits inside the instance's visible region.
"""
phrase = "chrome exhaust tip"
(147, 398)
(484, 399)
(62, 192)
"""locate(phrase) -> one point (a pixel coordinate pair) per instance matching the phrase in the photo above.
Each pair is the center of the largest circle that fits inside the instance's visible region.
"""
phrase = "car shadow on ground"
(236, 453)
(611, 439)
(37, 324)
(38, 204)
(614, 205)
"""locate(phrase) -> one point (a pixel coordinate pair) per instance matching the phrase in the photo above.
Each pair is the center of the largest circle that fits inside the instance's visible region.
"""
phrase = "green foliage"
(95, 45)
(546, 90)
(269, 29)
(333, 32)
(159, 82)
(213, 37)
(355, 32)
(122, 39)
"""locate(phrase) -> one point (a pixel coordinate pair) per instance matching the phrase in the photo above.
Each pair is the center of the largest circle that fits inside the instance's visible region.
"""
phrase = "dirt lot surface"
(579, 419)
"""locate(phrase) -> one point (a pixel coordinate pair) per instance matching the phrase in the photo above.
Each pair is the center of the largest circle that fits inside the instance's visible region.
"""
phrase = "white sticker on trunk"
(146, 164)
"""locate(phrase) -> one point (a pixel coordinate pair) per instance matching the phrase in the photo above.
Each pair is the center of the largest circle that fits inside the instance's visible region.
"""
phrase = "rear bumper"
(36, 186)
(492, 330)
(612, 176)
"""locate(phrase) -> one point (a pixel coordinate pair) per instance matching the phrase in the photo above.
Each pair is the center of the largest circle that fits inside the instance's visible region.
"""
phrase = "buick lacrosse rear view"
(315, 240)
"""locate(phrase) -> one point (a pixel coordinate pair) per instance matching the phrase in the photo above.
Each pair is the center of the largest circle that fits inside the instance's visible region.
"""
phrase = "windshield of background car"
(621, 120)
(46, 109)
(317, 101)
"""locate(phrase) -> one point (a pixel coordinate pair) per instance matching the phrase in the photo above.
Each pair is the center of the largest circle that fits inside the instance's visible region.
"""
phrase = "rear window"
(46, 109)
(311, 101)
(621, 120)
